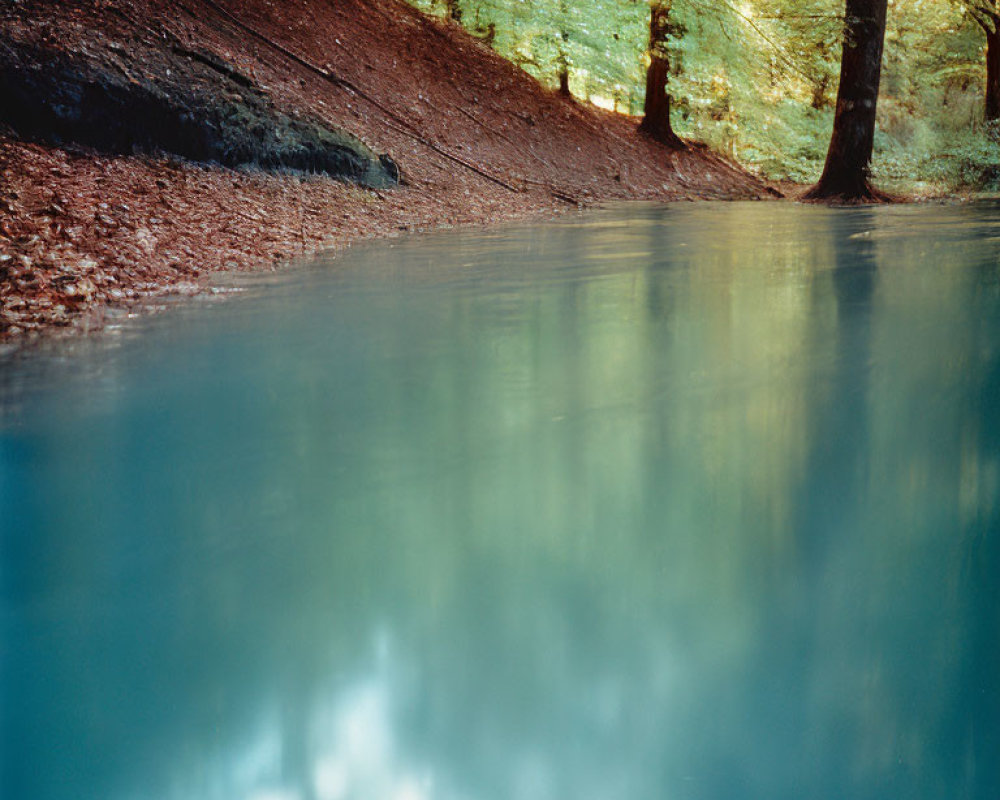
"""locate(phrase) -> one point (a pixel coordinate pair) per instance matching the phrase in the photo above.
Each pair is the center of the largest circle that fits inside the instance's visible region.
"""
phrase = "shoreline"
(117, 232)
(83, 229)
(82, 233)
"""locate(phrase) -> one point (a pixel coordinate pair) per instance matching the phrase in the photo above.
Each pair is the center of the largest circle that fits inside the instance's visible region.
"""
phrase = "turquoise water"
(695, 501)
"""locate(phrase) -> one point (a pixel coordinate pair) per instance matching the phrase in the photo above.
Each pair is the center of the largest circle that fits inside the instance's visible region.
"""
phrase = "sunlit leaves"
(758, 78)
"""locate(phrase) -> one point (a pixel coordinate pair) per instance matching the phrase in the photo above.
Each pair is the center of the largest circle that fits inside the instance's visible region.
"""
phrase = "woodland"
(145, 144)
(758, 79)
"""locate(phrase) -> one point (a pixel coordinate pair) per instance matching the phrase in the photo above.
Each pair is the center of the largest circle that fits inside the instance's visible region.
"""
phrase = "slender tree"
(454, 10)
(845, 175)
(564, 67)
(656, 110)
(563, 60)
(987, 14)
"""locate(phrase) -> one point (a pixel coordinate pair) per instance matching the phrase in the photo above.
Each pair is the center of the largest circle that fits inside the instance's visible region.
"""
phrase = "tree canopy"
(758, 79)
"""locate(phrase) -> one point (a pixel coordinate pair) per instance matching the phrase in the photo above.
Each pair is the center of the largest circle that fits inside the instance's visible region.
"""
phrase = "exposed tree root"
(667, 138)
(838, 195)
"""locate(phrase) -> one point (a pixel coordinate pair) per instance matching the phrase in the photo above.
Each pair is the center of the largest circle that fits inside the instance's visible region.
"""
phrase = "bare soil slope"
(474, 138)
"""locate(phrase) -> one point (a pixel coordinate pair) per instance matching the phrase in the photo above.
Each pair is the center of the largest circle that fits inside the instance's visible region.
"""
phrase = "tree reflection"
(645, 507)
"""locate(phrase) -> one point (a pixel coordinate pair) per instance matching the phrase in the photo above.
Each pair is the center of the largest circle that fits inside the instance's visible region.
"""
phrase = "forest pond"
(689, 501)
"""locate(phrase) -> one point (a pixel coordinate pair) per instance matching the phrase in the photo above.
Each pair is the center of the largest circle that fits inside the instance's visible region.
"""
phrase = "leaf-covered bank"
(475, 140)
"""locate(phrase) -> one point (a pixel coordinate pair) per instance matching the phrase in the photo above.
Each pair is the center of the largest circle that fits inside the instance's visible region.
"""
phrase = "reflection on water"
(685, 502)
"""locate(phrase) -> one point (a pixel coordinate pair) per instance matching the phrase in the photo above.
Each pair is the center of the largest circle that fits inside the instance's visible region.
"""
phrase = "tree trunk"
(819, 100)
(993, 74)
(563, 76)
(564, 49)
(489, 35)
(656, 108)
(845, 175)
(454, 11)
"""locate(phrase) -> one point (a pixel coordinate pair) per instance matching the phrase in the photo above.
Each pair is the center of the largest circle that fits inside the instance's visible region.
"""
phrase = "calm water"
(693, 501)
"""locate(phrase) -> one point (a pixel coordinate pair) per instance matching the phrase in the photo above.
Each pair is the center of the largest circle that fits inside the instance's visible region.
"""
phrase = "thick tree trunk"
(845, 175)
(656, 109)
(993, 74)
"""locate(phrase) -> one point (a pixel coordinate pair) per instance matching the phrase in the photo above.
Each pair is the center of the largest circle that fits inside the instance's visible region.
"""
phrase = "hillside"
(118, 116)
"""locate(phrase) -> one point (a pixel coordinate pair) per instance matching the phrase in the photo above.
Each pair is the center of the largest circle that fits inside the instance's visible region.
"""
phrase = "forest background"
(757, 79)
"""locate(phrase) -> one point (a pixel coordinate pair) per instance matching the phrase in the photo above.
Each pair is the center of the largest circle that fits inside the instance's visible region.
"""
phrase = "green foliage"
(787, 141)
(757, 79)
(971, 160)
(930, 124)
(601, 42)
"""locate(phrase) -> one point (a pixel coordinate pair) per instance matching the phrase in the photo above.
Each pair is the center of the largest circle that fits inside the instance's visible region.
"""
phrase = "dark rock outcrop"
(186, 103)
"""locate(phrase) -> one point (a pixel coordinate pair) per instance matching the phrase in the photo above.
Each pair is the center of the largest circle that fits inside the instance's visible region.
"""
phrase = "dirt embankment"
(118, 116)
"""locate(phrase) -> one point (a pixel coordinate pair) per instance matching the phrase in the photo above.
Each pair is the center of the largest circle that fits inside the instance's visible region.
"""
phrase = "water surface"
(695, 501)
